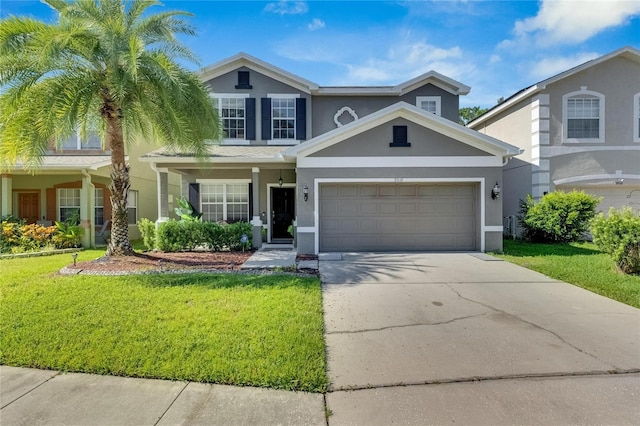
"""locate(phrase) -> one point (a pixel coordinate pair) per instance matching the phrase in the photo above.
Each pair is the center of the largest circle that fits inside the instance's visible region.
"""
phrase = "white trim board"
(316, 200)
(399, 161)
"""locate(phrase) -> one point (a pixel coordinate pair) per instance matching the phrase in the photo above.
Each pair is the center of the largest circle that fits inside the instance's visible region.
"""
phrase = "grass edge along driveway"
(580, 264)
(255, 330)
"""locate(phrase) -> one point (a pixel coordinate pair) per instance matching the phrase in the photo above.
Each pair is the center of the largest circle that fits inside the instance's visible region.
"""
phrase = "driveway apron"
(465, 337)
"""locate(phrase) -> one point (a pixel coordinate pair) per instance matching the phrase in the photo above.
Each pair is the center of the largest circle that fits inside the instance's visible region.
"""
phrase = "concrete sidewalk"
(38, 397)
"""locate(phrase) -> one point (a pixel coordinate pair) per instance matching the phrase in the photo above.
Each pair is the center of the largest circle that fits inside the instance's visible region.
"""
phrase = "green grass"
(581, 264)
(232, 329)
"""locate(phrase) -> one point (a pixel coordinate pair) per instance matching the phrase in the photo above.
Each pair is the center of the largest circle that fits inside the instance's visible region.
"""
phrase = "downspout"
(91, 207)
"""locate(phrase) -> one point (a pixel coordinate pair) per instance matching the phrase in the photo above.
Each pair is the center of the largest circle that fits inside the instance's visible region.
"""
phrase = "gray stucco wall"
(375, 143)
(325, 107)
(261, 86)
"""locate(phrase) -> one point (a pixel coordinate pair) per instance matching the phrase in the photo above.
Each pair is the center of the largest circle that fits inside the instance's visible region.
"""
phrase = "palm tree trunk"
(119, 244)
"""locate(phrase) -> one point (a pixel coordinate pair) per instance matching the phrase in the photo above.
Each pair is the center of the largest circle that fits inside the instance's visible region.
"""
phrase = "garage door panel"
(328, 191)
(393, 217)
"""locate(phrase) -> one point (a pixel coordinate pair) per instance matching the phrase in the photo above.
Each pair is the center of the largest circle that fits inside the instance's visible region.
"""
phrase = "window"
(74, 142)
(583, 113)
(636, 118)
(69, 205)
(283, 113)
(99, 207)
(132, 207)
(225, 201)
(429, 103)
(237, 113)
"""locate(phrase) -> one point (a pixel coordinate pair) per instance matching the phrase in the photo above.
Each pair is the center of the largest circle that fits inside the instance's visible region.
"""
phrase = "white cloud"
(571, 22)
(494, 59)
(315, 24)
(286, 7)
(550, 66)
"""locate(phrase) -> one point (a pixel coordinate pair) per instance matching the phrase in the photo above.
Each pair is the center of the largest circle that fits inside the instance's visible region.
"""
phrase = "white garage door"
(397, 217)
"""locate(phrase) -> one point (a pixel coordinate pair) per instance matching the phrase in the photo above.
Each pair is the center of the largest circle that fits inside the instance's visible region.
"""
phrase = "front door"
(29, 206)
(283, 211)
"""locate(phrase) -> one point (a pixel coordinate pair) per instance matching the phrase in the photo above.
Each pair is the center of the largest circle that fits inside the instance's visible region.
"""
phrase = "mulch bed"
(158, 261)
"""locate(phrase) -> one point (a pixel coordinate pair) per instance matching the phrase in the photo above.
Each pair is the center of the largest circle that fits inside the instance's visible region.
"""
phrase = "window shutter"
(301, 119)
(194, 196)
(250, 200)
(250, 117)
(266, 119)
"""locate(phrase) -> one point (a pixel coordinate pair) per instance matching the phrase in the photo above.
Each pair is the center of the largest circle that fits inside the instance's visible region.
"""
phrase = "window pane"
(71, 143)
(232, 112)
(583, 118)
(283, 115)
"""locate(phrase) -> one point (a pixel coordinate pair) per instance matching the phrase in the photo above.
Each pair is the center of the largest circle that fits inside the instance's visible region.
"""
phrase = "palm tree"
(106, 66)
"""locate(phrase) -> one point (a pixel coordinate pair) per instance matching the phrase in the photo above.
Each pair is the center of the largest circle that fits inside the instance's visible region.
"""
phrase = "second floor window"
(583, 116)
(429, 103)
(75, 143)
(283, 114)
(232, 113)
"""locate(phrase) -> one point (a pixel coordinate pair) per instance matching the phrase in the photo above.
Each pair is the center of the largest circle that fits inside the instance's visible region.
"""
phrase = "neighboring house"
(74, 180)
(579, 129)
(356, 168)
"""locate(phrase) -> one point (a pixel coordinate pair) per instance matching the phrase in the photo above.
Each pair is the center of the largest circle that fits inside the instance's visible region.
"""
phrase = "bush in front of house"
(18, 237)
(558, 216)
(148, 232)
(618, 234)
(176, 235)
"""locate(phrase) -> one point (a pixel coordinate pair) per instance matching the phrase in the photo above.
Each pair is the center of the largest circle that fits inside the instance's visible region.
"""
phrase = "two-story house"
(74, 180)
(355, 168)
(579, 129)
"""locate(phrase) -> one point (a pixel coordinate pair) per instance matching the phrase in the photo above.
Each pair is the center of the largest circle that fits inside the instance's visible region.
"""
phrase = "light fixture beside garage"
(305, 192)
(495, 191)
(280, 181)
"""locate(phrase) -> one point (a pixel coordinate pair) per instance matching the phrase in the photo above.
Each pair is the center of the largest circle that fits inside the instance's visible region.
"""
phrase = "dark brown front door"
(29, 206)
(283, 212)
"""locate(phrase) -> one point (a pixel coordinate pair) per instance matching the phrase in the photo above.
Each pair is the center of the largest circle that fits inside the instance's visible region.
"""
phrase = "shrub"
(68, 234)
(558, 216)
(619, 236)
(148, 231)
(188, 235)
(17, 237)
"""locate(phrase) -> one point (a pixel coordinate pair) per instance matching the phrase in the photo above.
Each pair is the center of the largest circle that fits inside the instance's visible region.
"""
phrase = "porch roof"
(65, 163)
(221, 154)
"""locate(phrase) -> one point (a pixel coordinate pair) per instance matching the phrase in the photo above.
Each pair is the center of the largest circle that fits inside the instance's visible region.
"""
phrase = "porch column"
(256, 221)
(7, 195)
(163, 195)
(87, 206)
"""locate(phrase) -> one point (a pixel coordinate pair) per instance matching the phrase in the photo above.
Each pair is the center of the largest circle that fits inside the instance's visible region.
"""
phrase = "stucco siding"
(375, 143)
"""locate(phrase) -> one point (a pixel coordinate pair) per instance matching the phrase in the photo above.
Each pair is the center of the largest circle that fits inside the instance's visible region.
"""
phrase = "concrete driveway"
(468, 339)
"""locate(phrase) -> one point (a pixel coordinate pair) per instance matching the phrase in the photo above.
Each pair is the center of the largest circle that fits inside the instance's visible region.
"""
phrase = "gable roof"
(408, 112)
(245, 60)
(625, 52)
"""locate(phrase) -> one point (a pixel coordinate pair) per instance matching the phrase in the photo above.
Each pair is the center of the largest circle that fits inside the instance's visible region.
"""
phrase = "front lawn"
(581, 264)
(233, 329)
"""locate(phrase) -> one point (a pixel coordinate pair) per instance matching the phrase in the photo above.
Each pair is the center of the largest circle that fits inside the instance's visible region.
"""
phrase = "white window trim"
(226, 182)
(58, 206)
(636, 117)
(565, 119)
(437, 99)
(218, 96)
(293, 141)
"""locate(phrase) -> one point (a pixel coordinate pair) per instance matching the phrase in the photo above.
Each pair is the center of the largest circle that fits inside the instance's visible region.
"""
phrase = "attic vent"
(243, 80)
(400, 137)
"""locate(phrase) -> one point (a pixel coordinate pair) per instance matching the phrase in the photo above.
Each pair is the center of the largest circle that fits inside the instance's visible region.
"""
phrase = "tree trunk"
(119, 244)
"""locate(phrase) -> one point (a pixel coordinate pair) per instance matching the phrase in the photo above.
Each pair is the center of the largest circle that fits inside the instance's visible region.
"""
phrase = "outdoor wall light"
(495, 191)
(619, 181)
(305, 192)
(280, 181)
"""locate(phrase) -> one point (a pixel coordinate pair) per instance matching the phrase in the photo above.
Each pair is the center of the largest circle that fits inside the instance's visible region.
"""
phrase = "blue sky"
(496, 47)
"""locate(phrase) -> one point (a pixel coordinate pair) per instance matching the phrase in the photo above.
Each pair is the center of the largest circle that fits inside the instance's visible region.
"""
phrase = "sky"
(496, 47)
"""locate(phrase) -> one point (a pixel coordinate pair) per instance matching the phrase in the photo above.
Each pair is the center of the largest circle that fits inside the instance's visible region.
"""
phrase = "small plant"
(558, 216)
(148, 231)
(186, 211)
(69, 233)
(619, 236)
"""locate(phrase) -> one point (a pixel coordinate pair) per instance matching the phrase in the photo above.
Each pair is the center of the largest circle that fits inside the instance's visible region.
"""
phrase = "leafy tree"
(468, 114)
(105, 66)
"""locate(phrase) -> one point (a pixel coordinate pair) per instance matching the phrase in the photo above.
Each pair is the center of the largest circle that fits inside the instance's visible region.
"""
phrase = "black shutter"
(250, 201)
(400, 136)
(266, 119)
(194, 196)
(250, 117)
(301, 119)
